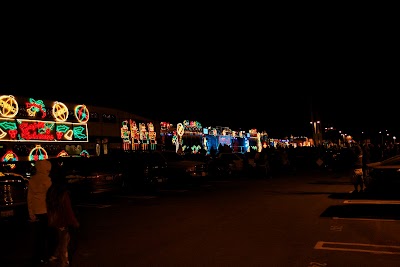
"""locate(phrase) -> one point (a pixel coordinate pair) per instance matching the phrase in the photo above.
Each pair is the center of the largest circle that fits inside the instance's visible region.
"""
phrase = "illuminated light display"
(195, 149)
(42, 131)
(73, 149)
(152, 136)
(125, 136)
(81, 113)
(35, 106)
(134, 135)
(63, 153)
(144, 140)
(85, 154)
(180, 129)
(105, 145)
(8, 106)
(38, 153)
(60, 111)
(10, 156)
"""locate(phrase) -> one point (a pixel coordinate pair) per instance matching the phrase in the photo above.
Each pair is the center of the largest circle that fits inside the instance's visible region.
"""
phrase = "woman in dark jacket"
(61, 216)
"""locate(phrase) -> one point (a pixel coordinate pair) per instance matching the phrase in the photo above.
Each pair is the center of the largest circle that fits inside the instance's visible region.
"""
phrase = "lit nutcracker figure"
(180, 129)
(126, 141)
(134, 135)
(143, 136)
(152, 136)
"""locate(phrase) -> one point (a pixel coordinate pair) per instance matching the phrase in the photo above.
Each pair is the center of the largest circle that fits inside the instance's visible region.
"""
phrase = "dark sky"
(239, 76)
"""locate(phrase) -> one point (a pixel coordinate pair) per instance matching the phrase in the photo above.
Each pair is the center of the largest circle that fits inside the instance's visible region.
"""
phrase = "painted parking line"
(98, 206)
(139, 197)
(363, 219)
(371, 201)
(358, 247)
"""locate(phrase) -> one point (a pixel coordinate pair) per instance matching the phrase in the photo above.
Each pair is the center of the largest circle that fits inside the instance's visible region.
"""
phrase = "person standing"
(358, 179)
(38, 185)
(61, 217)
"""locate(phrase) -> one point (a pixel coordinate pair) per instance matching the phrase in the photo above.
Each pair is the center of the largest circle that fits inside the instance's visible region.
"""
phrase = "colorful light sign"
(16, 130)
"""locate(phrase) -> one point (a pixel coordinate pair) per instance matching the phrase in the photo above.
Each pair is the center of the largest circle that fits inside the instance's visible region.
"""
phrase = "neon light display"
(8, 106)
(152, 136)
(42, 131)
(63, 153)
(144, 136)
(125, 136)
(35, 106)
(10, 156)
(38, 153)
(134, 135)
(81, 113)
(60, 111)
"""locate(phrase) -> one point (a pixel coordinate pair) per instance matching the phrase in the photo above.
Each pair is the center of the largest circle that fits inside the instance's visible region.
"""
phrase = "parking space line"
(358, 247)
(371, 201)
(88, 205)
(139, 197)
(363, 219)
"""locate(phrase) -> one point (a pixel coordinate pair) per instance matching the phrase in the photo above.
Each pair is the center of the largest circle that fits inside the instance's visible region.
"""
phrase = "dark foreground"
(308, 219)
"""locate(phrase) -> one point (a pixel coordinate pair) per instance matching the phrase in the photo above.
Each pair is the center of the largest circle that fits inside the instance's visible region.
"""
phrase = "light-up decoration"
(143, 136)
(8, 106)
(73, 149)
(81, 113)
(35, 106)
(195, 149)
(85, 153)
(60, 111)
(152, 136)
(105, 145)
(125, 136)
(42, 131)
(205, 144)
(192, 126)
(8, 127)
(10, 156)
(134, 135)
(63, 153)
(38, 153)
(180, 130)
(259, 145)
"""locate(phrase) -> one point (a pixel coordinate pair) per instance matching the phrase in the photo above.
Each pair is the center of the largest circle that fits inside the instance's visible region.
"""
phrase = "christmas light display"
(42, 131)
(81, 113)
(38, 153)
(125, 136)
(10, 156)
(8, 106)
(63, 153)
(144, 140)
(60, 111)
(152, 136)
(134, 135)
(35, 106)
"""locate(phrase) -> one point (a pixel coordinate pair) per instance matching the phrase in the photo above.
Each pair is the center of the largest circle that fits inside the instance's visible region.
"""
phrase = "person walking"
(358, 179)
(39, 183)
(61, 218)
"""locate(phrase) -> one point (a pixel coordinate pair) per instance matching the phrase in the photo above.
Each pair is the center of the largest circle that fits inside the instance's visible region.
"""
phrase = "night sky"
(236, 76)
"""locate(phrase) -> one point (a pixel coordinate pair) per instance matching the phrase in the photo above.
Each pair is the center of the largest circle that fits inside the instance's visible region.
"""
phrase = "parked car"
(90, 175)
(383, 175)
(183, 170)
(13, 189)
(142, 171)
